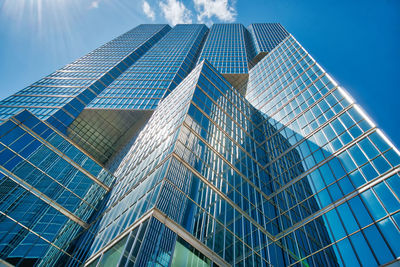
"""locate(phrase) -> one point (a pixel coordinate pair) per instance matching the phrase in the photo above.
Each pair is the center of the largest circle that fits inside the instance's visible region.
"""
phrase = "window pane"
(379, 246)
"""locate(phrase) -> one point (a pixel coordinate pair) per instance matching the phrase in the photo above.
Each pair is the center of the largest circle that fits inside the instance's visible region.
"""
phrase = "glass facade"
(229, 49)
(157, 73)
(49, 189)
(130, 99)
(62, 95)
(265, 37)
(348, 165)
(190, 146)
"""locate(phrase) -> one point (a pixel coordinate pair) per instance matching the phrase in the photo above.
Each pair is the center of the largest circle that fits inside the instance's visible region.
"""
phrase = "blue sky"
(357, 41)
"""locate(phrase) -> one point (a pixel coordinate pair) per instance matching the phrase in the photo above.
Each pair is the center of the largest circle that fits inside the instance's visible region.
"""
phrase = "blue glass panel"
(363, 216)
(378, 245)
(363, 250)
(347, 253)
(388, 199)
(373, 204)
(391, 234)
(335, 224)
(348, 218)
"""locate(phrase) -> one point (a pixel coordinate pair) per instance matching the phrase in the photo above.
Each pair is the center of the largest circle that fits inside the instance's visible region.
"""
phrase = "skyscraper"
(190, 146)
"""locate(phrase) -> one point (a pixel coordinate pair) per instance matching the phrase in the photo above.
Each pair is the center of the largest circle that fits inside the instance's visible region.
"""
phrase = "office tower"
(228, 48)
(49, 186)
(195, 147)
(120, 109)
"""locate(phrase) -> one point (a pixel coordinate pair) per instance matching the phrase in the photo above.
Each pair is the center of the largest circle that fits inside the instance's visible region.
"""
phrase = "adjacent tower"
(190, 146)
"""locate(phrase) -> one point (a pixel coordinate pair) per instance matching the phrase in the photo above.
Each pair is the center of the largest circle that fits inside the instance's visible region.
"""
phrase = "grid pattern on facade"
(158, 72)
(106, 124)
(258, 158)
(75, 85)
(265, 37)
(351, 168)
(215, 174)
(140, 171)
(225, 48)
(49, 189)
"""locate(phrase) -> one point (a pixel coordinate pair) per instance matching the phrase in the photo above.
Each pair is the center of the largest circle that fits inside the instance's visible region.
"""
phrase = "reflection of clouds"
(94, 4)
(148, 10)
(322, 148)
(175, 12)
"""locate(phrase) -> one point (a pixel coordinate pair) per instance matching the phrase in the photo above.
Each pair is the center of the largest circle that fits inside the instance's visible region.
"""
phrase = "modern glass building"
(190, 146)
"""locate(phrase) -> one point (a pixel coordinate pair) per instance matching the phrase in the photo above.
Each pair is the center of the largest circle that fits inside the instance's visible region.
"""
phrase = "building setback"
(189, 146)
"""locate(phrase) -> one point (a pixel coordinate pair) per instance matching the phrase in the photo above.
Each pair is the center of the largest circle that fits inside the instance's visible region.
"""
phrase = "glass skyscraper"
(195, 146)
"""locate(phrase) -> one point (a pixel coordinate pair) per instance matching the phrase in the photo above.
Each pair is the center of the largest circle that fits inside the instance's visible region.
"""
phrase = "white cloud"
(148, 10)
(221, 9)
(94, 4)
(175, 12)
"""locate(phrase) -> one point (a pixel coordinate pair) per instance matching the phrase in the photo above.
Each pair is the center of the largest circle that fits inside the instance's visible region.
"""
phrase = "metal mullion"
(226, 161)
(52, 178)
(333, 155)
(61, 154)
(302, 91)
(340, 201)
(281, 55)
(305, 138)
(21, 182)
(246, 103)
(309, 107)
(116, 201)
(276, 92)
(33, 232)
(204, 211)
(222, 195)
(301, 203)
(228, 115)
(127, 231)
(355, 232)
(182, 233)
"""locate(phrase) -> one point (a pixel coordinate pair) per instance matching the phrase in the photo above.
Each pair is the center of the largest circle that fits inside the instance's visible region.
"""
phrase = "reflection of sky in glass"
(347, 161)
(295, 174)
